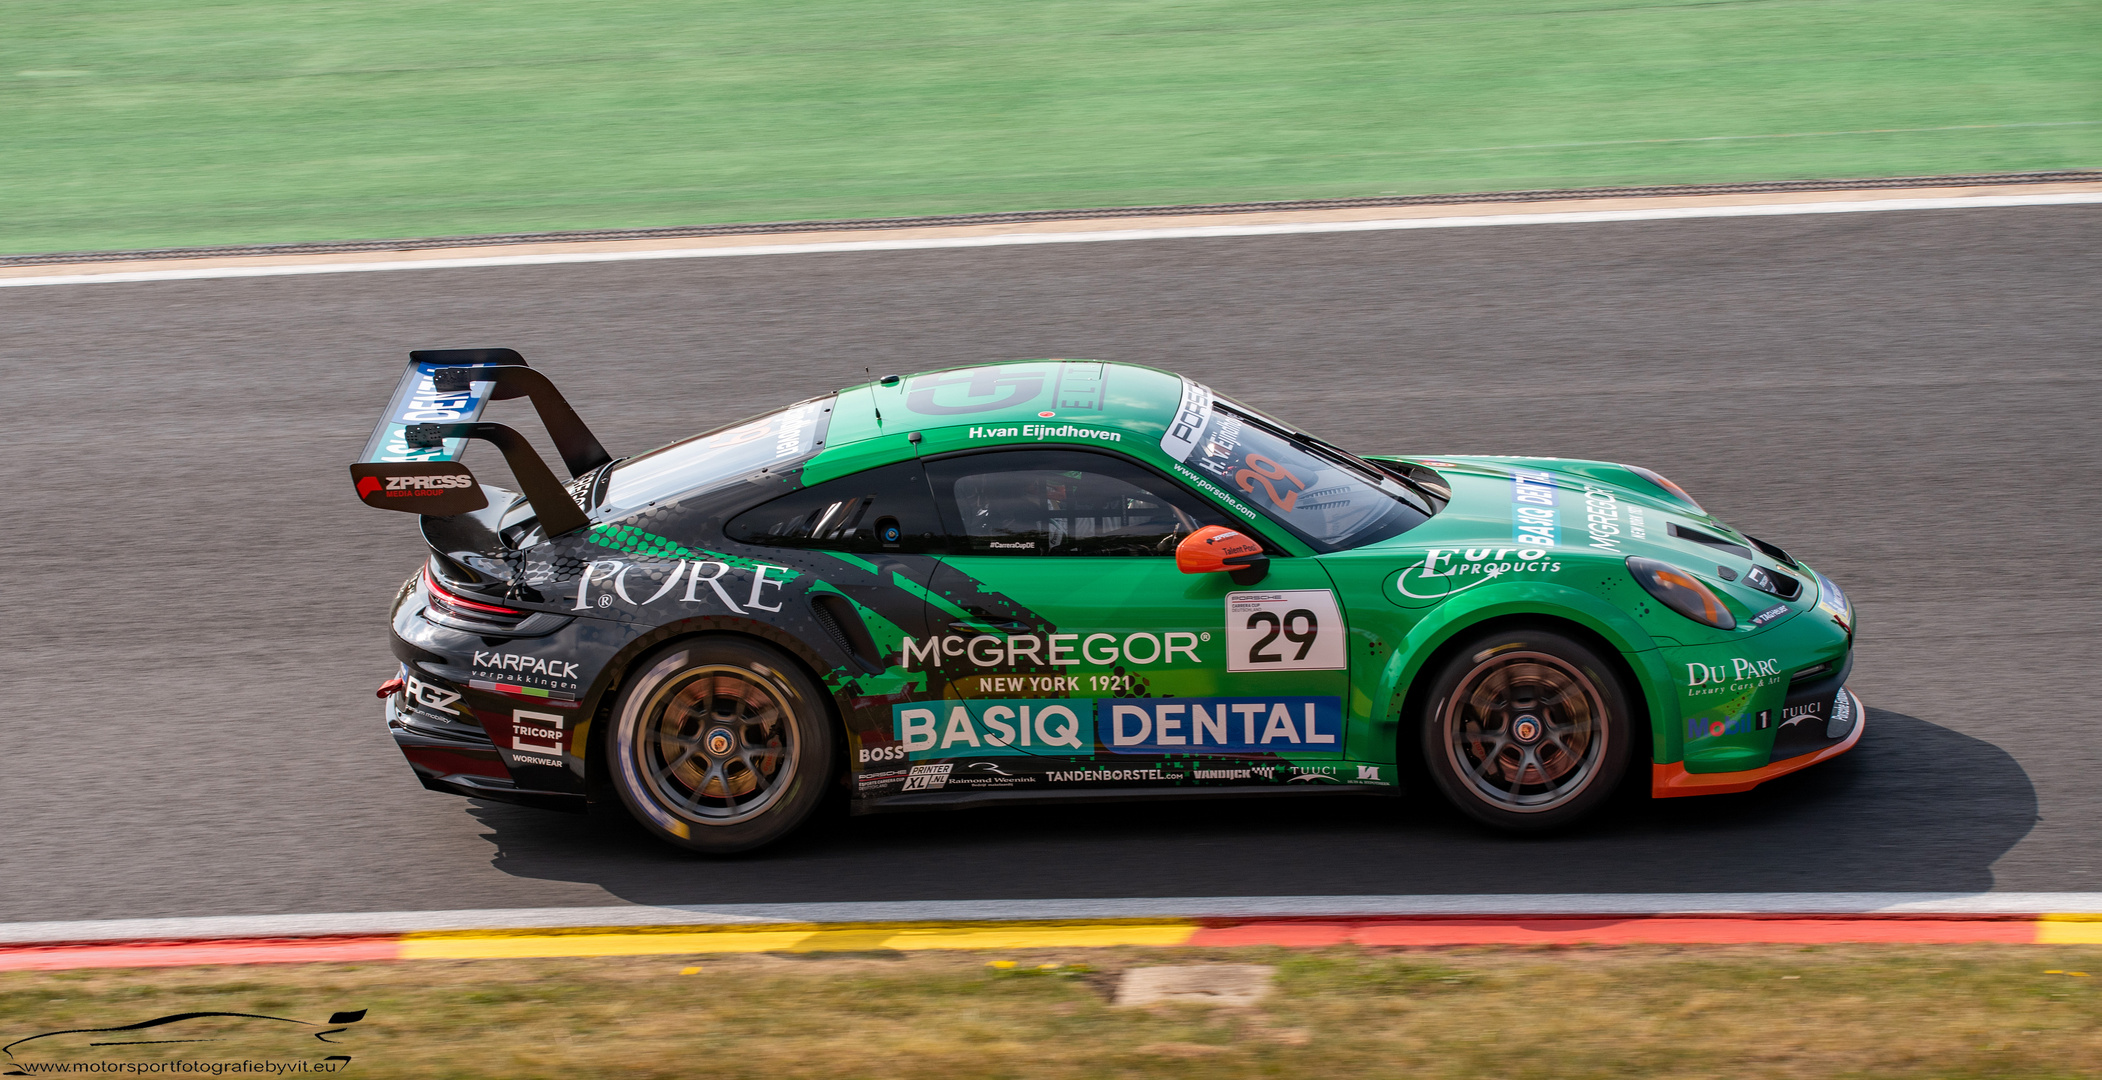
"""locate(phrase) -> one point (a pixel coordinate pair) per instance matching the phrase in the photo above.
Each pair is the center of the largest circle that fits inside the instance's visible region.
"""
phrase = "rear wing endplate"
(411, 462)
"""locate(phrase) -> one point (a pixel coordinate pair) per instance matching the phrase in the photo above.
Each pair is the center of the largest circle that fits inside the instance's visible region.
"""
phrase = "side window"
(1062, 502)
(881, 510)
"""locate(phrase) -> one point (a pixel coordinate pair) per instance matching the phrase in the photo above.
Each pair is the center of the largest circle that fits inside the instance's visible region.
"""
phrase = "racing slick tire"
(721, 745)
(1526, 730)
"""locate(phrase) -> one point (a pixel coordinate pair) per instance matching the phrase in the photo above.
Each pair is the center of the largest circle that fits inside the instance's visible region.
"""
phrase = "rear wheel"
(721, 745)
(1526, 730)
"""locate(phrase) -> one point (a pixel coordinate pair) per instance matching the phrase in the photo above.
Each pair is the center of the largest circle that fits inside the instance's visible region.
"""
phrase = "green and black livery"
(1057, 579)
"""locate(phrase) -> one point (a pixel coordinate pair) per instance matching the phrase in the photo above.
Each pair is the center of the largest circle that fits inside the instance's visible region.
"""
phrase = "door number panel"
(1291, 630)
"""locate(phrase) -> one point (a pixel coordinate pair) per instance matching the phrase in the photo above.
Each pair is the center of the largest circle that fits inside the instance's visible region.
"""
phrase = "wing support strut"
(558, 513)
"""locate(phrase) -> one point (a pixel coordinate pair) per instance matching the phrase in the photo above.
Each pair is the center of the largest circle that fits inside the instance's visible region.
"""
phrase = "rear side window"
(769, 443)
(881, 510)
(1062, 502)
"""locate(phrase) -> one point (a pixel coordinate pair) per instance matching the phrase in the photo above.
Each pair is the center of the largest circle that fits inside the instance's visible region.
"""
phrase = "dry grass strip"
(1736, 1012)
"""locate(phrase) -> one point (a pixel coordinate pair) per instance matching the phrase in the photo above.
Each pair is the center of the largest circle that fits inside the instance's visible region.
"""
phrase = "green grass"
(128, 123)
(1743, 1013)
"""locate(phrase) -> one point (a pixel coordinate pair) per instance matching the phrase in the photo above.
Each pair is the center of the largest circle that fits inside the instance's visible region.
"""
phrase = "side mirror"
(1215, 548)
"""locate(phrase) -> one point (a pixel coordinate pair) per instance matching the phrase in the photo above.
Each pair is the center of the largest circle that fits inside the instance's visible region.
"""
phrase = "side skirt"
(966, 800)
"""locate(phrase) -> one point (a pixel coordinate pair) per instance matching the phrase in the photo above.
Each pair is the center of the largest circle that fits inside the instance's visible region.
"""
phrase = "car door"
(1064, 600)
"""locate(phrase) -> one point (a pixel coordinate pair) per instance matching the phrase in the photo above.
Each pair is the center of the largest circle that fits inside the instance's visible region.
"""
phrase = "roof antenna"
(872, 395)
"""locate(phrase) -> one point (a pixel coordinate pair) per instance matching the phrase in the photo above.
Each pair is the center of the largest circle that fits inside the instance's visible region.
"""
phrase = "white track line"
(1603, 904)
(1862, 206)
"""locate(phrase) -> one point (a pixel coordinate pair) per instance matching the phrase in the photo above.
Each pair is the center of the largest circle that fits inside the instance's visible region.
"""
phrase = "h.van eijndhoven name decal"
(1040, 432)
(1057, 727)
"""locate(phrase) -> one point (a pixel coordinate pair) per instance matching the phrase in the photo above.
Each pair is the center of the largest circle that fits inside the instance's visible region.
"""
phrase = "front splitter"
(1673, 781)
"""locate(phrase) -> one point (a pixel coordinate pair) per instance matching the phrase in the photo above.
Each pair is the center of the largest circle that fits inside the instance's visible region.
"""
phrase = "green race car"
(1067, 579)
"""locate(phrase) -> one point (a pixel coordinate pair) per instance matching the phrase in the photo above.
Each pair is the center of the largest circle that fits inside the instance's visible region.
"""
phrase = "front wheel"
(720, 745)
(1526, 730)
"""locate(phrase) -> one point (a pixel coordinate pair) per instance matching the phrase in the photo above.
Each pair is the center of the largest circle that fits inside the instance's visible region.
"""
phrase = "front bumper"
(1843, 729)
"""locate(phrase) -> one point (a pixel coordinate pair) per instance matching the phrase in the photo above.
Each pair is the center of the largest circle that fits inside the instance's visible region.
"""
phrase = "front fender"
(1539, 600)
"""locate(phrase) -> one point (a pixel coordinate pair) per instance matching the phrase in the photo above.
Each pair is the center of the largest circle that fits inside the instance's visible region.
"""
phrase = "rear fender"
(606, 688)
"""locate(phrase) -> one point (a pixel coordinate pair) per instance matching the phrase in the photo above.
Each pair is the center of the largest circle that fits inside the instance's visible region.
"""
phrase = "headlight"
(1682, 592)
(1834, 599)
(1671, 489)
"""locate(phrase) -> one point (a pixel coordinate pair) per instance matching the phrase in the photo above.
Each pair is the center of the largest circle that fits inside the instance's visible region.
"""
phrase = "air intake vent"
(1710, 539)
(1774, 553)
(1773, 583)
(835, 615)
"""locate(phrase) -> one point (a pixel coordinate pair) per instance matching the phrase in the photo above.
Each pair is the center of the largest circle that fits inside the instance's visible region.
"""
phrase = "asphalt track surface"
(195, 600)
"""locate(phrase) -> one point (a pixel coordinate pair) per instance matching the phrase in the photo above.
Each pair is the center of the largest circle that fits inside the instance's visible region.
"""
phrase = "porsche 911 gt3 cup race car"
(1067, 579)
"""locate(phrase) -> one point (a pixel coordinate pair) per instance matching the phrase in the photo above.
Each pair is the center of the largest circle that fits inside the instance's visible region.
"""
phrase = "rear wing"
(412, 460)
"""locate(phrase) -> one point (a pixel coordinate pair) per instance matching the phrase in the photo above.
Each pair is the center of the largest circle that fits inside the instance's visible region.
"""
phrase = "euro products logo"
(1445, 571)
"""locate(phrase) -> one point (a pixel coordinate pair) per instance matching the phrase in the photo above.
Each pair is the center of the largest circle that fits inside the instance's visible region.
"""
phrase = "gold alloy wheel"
(717, 744)
(1525, 731)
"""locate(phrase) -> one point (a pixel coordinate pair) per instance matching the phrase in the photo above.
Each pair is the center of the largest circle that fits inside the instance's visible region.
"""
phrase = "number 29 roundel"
(1293, 630)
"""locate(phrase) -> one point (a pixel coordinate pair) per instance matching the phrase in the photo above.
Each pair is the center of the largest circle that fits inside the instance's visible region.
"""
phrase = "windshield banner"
(1180, 440)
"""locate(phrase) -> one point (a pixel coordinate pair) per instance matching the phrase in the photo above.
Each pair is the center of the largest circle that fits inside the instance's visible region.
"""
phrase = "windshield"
(706, 461)
(1328, 498)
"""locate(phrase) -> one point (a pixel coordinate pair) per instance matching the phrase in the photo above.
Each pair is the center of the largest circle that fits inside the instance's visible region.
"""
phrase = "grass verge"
(140, 123)
(1514, 1013)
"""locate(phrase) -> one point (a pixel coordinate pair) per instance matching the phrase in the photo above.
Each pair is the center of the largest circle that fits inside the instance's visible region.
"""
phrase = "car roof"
(1049, 403)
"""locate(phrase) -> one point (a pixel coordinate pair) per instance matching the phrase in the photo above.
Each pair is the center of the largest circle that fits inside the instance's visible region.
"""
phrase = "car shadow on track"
(1915, 807)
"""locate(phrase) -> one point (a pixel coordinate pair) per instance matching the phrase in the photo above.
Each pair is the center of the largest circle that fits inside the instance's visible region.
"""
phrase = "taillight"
(460, 605)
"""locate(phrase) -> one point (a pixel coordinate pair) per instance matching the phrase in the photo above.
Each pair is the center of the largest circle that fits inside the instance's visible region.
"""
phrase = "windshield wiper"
(1430, 498)
(1366, 469)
